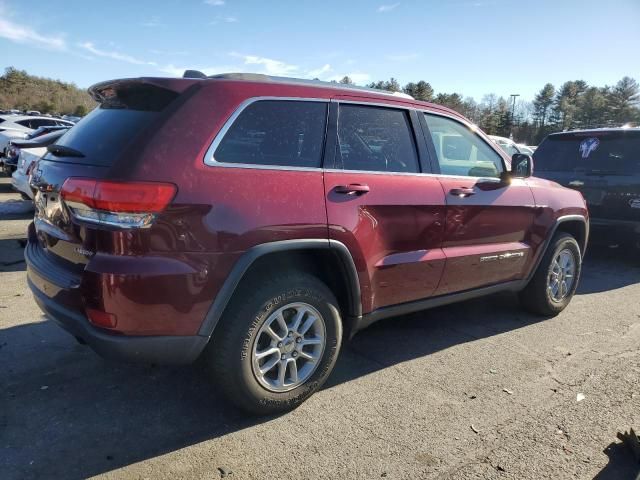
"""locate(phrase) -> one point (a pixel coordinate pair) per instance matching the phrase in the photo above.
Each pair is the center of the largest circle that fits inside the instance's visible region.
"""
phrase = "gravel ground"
(474, 390)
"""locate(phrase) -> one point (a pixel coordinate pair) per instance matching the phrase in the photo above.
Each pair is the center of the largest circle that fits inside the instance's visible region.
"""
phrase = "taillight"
(117, 204)
(13, 152)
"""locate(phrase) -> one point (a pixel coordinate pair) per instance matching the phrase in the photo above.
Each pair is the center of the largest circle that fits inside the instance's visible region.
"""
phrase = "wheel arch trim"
(243, 264)
(552, 231)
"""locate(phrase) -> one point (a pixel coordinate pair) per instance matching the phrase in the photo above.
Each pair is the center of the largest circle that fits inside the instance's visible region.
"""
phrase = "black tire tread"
(219, 355)
(534, 296)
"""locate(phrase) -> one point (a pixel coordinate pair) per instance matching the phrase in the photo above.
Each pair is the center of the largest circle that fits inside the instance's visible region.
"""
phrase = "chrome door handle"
(462, 192)
(352, 189)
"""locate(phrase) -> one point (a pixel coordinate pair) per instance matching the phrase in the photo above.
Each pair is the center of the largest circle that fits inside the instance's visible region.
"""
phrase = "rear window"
(616, 153)
(104, 134)
(276, 132)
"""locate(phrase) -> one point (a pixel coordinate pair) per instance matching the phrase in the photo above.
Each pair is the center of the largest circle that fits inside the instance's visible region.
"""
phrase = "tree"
(346, 80)
(567, 102)
(22, 91)
(420, 91)
(80, 111)
(392, 85)
(542, 104)
(623, 100)
(593, 110)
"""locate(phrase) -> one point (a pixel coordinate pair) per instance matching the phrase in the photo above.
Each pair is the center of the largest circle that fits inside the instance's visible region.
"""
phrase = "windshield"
(606, 153)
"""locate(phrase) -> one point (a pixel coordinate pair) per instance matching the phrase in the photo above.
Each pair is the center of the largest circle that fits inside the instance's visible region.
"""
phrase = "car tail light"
(13, 152)
(116, 204)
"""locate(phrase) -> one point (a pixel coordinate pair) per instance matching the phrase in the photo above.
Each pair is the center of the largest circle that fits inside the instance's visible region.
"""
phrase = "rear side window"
(287, 133)
(375, 139)
(611, 153)
(461, 151)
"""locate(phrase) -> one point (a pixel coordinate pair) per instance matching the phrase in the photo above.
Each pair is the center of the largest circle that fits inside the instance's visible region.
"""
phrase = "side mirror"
(521, 165)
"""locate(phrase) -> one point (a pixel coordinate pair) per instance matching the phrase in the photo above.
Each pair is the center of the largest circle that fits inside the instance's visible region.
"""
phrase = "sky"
(473, 47)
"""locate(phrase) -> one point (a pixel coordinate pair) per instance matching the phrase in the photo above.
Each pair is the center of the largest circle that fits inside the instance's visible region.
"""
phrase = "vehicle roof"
(181, 84)
(497, 137)
(17, 118)
(597, 130)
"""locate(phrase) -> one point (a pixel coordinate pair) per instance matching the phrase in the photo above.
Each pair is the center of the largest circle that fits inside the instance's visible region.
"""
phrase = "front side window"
(375, 139)
(276, 132)
(460, 151)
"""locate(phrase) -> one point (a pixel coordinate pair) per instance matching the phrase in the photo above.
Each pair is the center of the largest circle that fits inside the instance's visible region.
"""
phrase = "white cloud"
(358, 78)
(214, 3)
(15, 32)
(388, 8)
(122, 57)
(319, 71)
(269, 65)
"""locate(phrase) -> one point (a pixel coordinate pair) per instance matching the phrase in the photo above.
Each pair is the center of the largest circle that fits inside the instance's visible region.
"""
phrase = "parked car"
(289, 215)
(604, 165)
(29, 152)
(508, 145)
(71, 118)
(524, 149)
(38, 132)
(19, 126)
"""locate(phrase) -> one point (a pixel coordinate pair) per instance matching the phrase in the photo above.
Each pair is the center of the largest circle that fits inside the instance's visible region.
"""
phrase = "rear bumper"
(162, 350)
(20, 182)
(58, 294)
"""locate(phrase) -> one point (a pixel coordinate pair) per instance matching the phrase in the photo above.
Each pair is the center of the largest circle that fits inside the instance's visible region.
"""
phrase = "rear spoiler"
(41, 141)
(104, 91)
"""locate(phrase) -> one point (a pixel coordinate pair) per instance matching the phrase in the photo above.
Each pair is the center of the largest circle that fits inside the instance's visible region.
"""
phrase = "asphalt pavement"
(480, 389)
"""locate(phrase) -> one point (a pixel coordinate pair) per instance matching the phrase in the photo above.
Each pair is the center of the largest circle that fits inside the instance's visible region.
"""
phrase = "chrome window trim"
(420, 174)
(209, 158)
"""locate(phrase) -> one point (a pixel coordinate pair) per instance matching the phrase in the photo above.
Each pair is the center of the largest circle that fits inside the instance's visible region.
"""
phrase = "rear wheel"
(277, 342)
(556, 279)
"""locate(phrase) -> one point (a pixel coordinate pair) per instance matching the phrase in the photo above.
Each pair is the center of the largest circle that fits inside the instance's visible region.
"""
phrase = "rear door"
(381, 205)
(603, 165)
(488, 221)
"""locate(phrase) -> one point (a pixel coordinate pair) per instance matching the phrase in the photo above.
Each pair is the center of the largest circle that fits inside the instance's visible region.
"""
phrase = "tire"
(240, 335)
(537, 296)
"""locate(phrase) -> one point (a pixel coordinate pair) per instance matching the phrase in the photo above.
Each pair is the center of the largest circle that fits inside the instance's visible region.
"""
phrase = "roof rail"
(260, 77)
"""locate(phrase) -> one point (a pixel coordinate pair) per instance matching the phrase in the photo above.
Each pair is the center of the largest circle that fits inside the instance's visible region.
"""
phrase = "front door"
(488, 220)
(381, 205)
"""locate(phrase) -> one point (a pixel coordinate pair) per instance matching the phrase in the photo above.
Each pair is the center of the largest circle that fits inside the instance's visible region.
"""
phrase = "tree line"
(574, 105)
(21, 91)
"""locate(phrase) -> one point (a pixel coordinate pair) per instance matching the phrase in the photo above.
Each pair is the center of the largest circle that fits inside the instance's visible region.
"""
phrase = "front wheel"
(556, 279)
(277, 343)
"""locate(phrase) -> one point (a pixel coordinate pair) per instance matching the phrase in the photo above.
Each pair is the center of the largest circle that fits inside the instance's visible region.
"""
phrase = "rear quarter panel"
(553, 201)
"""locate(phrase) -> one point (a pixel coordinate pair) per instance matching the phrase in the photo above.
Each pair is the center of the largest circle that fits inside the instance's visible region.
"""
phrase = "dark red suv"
(258, 221)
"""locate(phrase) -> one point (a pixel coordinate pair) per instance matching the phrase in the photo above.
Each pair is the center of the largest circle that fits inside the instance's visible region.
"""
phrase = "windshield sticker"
(589, 145)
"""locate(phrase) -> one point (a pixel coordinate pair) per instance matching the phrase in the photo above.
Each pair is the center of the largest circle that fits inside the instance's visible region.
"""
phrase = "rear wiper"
(62, 151)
